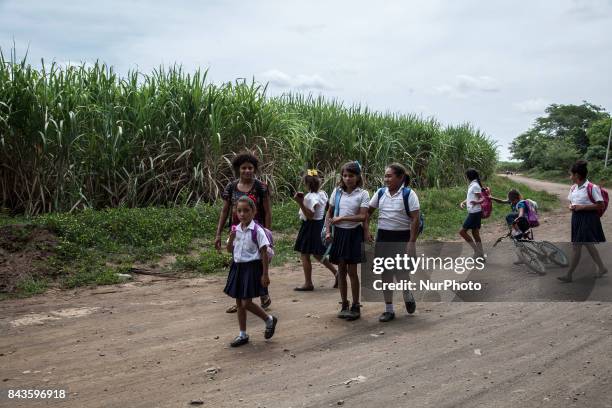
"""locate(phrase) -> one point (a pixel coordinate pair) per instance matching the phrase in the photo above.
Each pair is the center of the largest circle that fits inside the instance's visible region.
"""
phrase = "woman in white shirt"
(585, 201)
(308, 241)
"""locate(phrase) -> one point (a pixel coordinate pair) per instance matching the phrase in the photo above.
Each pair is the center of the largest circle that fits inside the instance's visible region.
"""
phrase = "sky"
(494, 64)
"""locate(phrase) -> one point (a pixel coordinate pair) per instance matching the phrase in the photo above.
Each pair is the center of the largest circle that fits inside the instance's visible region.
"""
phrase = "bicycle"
(535, 254)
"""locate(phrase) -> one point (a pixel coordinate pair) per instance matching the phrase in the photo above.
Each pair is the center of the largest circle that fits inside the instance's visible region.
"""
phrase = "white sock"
(242, 334)
(389, 307)
(269, 319)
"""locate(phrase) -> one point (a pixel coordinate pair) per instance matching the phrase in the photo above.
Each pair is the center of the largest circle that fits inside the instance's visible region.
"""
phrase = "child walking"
(398, 227)
(473, 221)
(585, 201)
(348, 207)
(308, 242)
(248, 277)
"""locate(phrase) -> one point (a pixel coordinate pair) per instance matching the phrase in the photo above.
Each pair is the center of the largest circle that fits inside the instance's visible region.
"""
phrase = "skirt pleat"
(347, 246)
(308, 240)
(244, 280)
(586, 227)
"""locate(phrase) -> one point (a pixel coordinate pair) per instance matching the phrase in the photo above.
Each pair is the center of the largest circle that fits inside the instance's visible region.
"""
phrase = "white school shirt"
(580, 194)
(391, 210)
(473, 189)
(314, 202)
(350, 204)
(245, 249)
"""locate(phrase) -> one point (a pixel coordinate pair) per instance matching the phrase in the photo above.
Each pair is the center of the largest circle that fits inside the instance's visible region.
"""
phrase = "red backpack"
(487, 204)
(604, 194)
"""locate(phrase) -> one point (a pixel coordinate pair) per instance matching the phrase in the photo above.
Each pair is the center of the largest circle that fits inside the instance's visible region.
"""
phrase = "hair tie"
(312, 172)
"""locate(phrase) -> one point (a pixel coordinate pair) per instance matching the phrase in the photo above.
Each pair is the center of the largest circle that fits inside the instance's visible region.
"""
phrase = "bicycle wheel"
(531, 258)
(554, 253)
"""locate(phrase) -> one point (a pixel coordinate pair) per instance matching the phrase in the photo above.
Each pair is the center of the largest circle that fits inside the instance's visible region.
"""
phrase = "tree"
(565, 130)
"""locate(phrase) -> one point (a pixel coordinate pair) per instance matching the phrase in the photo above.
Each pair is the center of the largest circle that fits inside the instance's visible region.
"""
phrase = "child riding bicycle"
(523, 216)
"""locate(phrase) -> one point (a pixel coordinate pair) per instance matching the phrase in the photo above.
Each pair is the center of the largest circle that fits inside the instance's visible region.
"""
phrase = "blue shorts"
(473, 221)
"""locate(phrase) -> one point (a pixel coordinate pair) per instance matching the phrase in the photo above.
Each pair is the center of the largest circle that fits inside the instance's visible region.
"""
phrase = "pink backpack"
(487, 204)
(532, 213)
(268, 233)
(604, 194)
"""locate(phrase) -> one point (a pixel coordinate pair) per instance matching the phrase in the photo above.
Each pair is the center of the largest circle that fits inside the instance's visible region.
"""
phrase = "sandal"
(266, 301)
(232, 309)
(304, 289)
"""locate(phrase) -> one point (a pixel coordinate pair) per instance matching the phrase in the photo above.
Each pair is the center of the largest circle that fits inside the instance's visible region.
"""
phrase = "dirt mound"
(23, 251)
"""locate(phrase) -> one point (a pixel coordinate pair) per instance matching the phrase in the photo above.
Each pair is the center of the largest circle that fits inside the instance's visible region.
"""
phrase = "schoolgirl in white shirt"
(473, 220)
(397, 230)
(347, 220)
(248, 276)
(308, 241)
(586, 224)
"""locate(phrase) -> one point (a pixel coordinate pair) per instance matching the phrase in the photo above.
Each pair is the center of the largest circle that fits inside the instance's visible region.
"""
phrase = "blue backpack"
(336, 213)
(405, 194)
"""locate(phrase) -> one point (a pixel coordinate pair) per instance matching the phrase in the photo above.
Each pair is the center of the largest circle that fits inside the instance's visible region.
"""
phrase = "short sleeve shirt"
(258, 192)
(245, 249)
(473, 189)
(521, 204)
(315, 202)
(350, 204)
(579, 195)
(392, 214)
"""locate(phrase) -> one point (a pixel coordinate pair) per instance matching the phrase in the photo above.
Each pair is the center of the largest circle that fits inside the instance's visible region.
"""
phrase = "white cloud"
(464, 85)
(300, 81)
(536, 105)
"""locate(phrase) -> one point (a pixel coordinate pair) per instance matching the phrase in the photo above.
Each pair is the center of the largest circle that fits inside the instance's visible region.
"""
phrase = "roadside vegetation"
(97, 247)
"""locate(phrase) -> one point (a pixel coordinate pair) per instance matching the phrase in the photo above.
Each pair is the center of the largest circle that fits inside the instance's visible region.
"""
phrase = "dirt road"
(164, 344)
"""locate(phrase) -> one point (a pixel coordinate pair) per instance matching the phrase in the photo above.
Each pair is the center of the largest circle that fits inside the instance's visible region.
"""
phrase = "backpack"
(604, 194)
(336, 213)
(487, 204)
(532, 213)
(270, 248)
(405, 194)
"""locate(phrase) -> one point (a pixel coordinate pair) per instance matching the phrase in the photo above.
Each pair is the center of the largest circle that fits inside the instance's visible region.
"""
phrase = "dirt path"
(150, 343)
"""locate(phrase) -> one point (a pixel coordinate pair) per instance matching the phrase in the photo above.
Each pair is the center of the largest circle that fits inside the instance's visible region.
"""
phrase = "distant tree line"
(565, 134)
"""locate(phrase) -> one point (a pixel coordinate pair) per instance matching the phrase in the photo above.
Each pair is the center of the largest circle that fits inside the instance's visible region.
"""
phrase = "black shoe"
(239, 341)
(266, 301)
(410, 303)
(344, 312)
(386, 317)
(354, 313)
(270, 327)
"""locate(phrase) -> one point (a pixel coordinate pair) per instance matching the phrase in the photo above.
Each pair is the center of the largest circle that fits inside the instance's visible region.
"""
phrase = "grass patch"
(32, 285)
(206, 262)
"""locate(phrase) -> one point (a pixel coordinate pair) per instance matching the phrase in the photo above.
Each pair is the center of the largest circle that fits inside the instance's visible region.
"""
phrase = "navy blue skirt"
(389, 244)
(244, 280)
(473, 221)
(308, 240)
(586, 227)
(347, 246)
